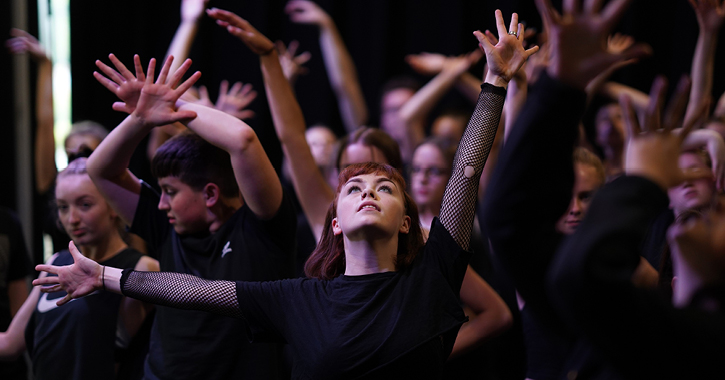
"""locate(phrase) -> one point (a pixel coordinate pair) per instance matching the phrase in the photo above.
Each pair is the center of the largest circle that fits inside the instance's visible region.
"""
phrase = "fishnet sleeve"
(459, 199)
(182, 291)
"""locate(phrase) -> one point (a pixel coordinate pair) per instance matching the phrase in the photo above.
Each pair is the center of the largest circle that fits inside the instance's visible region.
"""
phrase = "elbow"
(245, 138)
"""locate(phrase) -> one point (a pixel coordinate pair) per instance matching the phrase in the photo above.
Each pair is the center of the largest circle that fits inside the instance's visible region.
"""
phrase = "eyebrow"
(381, 179)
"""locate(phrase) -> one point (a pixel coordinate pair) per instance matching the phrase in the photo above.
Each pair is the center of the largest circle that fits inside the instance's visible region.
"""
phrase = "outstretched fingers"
(613, 12)
(500, 25)
(183, 87)
(139, 68)
(150, 71)
(676, 108)
(165, 70)
(110, 73)
(177, 75)
(654, 109)
(630, 117)
(126, 73)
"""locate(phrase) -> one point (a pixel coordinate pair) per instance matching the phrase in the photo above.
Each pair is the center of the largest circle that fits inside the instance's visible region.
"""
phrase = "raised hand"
(234, 101)
(426, 63)
(617, 43)
(242, 29)
(157, 103)
(507, 56)
(578, 39)
(291, 64)
(307, 12)
(123, 83)
(23, 42)
(192, 10)
(710, 14)
(653, 149)
(80, 279)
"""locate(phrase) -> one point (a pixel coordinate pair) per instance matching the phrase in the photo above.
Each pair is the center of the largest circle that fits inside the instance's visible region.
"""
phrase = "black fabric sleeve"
(452, 260)
(149, 222)
(459, 200)
(590, 283)
(531, 188)
(182, 291)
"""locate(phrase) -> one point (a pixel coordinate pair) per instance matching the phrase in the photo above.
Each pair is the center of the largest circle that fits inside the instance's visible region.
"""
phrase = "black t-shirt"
(14, 265)
(77, 340)
(374, 326)
(187, 344)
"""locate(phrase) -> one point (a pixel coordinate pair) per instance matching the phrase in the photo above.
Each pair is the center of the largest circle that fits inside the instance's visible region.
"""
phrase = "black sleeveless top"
(76, 340)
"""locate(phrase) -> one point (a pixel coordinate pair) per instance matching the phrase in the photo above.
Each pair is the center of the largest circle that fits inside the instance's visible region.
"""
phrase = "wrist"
(496, 80)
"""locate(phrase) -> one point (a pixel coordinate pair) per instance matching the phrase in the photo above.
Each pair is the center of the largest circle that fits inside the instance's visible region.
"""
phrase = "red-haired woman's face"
(370, 206)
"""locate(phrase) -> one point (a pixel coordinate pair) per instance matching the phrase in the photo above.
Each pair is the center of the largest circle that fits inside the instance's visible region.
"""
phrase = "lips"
(78, 232)
(368, 206)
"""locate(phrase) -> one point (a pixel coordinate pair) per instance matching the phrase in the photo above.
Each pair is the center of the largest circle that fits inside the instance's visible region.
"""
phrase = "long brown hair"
(327, 261)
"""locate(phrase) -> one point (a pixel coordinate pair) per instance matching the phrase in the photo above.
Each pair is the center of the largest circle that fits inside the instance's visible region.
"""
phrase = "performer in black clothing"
(380, 304)
(640, 334)
(520, 218)
(80, 342)
(221, 214)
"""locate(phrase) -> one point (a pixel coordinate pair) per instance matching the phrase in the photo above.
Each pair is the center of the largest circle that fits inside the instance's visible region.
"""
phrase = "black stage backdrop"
(378, 33)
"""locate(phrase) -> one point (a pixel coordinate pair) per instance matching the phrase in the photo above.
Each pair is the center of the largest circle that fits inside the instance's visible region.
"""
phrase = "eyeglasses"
(432, 171)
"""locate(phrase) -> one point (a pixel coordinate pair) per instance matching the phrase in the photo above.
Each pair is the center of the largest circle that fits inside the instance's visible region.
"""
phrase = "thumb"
(77, 255)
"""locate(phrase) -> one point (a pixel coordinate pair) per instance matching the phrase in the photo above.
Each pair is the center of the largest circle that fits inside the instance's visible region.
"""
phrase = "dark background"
(378, 33)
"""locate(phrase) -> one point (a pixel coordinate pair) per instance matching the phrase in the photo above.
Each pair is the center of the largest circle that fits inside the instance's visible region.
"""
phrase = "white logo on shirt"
(226, 249)
(45, 305)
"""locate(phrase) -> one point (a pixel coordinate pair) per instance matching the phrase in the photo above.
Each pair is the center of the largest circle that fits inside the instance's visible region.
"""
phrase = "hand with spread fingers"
(80, 279)
(122, 82)
(242, 29)
(236, 99)
(578, 39)
(507, 56)
(157, 102)
(292, 65)
(653, 149)
(24, 42)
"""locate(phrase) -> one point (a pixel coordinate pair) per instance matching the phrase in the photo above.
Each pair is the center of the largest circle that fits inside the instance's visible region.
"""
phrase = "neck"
(370, 256)
(222, 211)
(105, 249)
(426, 215)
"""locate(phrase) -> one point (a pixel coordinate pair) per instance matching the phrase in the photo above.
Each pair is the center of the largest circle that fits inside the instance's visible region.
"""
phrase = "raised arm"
(710, 15)
(314, 193)
(340, 66)
(45, 168)
(432, 64)
(191, 13)
(108, 164)
(546, 131)
(504, 59)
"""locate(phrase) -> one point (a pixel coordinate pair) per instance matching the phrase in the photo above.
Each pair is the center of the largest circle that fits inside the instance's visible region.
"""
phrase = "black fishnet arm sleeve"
(459, 199)
(182, 291)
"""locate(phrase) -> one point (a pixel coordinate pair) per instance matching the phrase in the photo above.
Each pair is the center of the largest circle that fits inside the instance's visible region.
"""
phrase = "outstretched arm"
(178, 290)
(314, 193)
(432, 64)
(191, 13)
(710, 15)
(340, 66)
(504, 59)
(45, 168)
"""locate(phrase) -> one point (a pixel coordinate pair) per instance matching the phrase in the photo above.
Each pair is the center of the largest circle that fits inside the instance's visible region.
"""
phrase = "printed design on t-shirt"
(226, 249)
(45, 305)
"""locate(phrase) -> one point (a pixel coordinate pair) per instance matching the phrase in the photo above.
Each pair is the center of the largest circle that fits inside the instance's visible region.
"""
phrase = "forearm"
(178, 290)
(515, 100)
(614, 90)
(312, 189)
(12, 341)
(182, 41)
(45, 168)
(111, 158)
(343, 77)
(702, 72)
(458, 207)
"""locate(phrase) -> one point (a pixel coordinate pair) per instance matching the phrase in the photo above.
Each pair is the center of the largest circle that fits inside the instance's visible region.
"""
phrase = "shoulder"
(147, 264)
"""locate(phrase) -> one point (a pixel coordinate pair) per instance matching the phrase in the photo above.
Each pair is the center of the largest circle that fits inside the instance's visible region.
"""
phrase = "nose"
(576, 207)
(163, 202)
(73, 216)
(369, 193)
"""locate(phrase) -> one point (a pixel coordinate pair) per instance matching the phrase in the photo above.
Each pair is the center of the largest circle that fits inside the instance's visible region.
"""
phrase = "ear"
(405, 227)
(211, 194)
(336, 227)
